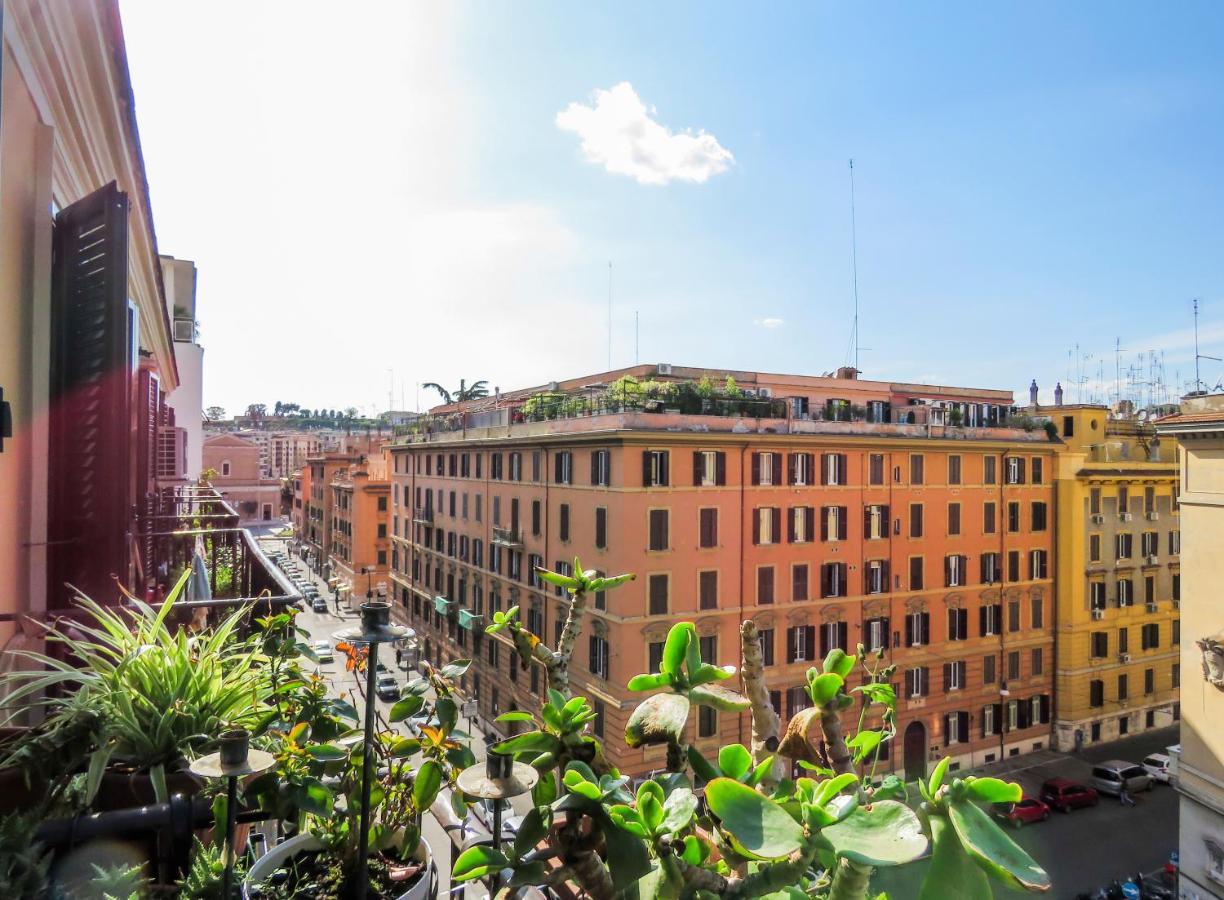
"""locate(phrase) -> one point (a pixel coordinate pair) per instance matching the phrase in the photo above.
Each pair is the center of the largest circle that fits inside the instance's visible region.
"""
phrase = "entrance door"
(915, 751)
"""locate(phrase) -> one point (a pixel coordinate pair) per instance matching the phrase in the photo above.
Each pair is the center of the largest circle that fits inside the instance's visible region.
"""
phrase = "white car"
(322, 650)
(1157, 765)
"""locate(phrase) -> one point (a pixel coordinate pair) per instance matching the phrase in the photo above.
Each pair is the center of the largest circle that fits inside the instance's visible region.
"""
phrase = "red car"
(1027, 811)
(1065, 795)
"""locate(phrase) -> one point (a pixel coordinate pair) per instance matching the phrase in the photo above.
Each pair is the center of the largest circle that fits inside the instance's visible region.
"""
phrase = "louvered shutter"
(842, 522)
(148, 412)
(90, 399)
(594, 467)
(884, 572)
(962, 724)
(720, 468)
(866, 522)
(809, 522)
(926, 629)
(947, 677)
(909, 632)
(981, 620)
(810, 639)
(824, 468)
(756, 468)
(790, 525)
(775, 532)
(825, 586)
(824, 522)
(756, 526)
(1045, 708)
(790, 645)
(909, 680)
(842, 635)
(645, 468)
(697, 468)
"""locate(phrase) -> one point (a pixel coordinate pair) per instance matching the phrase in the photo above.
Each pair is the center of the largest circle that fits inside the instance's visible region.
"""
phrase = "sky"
(383, 194)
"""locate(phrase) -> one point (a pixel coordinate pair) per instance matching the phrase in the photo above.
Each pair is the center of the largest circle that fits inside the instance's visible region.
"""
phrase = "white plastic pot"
(424, 888)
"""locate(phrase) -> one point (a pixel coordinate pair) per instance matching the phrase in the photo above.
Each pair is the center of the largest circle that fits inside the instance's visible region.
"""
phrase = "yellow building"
(1117, 577)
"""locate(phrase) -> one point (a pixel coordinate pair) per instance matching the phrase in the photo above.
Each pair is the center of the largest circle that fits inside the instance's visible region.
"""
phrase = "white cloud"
(619, 133)
(768, 323)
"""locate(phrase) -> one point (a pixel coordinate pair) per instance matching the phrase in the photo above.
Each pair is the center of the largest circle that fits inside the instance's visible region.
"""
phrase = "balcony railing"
(508, 537)
(443, 605)
(424, 516)
(472, 621)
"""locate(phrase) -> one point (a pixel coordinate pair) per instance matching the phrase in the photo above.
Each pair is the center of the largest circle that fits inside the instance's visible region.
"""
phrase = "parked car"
(1109, 777)
(1065, 795)
(1027, 811)
(1157, 765)
(318, 604)
(322, 650)
(387, 687)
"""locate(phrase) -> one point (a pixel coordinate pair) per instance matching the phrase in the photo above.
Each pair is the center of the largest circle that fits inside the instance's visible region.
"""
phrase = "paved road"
(1088, 847)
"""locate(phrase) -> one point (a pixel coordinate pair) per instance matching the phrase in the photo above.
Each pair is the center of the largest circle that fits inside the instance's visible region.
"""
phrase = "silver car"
(1109, 777)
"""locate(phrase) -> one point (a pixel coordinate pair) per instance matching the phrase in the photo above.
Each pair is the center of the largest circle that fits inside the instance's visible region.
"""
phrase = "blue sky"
(392, 188)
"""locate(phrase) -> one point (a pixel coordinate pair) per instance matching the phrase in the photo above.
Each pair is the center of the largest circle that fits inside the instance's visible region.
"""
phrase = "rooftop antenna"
(609, 315)
(391, 390)
(854, 267)
(1198, 381)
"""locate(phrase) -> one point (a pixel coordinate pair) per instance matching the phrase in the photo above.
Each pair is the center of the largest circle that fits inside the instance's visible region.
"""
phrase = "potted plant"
(324, 782)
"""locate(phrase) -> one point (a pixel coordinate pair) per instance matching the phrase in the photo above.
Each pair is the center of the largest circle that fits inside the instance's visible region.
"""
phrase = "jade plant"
(799, 813)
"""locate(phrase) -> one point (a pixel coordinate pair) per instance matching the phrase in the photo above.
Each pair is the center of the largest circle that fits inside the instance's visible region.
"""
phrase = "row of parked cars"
(296, 573)
(1064, 795)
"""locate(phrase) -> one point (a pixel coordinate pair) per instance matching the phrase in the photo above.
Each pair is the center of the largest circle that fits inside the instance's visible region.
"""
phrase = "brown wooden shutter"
(790, 525)
(810, 640)
(926, 629)
(756, 468)
(720, 468)
(843, 522)
(776, 531)
(809, 517)
(790, 468)
(90, 497)
(825, 580)
(824, 468)
(756, 525)
(697, 467)
(841, 635)
(645, 468)
(824, 523)
(594, 467)
(790, 645)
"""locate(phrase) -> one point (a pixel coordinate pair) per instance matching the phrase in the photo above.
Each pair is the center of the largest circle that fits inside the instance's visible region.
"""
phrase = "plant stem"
(765, 722)
(851, 881)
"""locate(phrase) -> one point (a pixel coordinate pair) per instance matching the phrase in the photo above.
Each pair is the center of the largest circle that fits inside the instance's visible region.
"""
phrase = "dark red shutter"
(790, 526)
(756, 468)
(841, 635)
(697, 468)
(645, 468)
(756, 526)
(824, 468)
(825, 580)
(776, 531)
(909, 637)
(843, 522)
(926, 629)
(790, 645)
(809, 515)
(790, 468)
(887, 633)
(947, 677)
(90, 496)
(824, 523)
(981, 620)
(720, 468)
(810, 639)
(594, 467)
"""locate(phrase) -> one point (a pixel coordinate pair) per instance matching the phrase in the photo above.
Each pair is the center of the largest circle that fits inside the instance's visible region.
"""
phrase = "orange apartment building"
(360, 546)
(875, 521)
(313, 520)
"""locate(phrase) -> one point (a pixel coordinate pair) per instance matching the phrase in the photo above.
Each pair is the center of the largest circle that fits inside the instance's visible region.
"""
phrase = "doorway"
(915, 751)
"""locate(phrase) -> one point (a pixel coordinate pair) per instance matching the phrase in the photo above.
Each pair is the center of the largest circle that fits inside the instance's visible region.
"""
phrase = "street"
(1087, 848)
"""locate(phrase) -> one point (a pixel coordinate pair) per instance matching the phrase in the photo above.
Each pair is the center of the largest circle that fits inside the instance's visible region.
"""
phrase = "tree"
(278, 409)
(477, 390)
(214, 414)
(257, 410)
(290, 408)
(350, 413)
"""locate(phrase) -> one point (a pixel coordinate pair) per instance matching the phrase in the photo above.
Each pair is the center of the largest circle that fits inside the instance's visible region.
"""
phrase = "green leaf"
(530, 741)
(891, 788)
(701, 766)
(580, 786)
(677, 645)
(650, 682)
(545, 790)
(994, 851)
(326, 752)
(626, 817)
(531, 873)
(314, 797)
(952, 875)
(761, 828)
(706, 673)
(678, 811)
(514, 716)
(763, 768)
(886, 833)
(735, 761)
(650, 809)
(937, 777)
(993, 790)
(561, 581)
(838, 662)
(719, 697)
(533, 829)
(426, 784)
(455, 669)
(477, 862)
(447, 713)
(628, 858)
(824, 687)
(695, 850)
(658, 719)
(864, 743)
(834, 786)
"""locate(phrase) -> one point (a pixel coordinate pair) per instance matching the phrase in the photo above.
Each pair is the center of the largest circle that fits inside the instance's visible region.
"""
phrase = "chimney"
(1033, 393)
(1058, 394)
(847, 372)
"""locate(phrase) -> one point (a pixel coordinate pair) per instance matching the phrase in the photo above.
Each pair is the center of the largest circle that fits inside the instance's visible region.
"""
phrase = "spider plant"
(159, 695)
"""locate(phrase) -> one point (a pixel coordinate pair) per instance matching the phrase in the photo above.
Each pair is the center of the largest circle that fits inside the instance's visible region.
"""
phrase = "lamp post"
(234, 760)
(375, 628)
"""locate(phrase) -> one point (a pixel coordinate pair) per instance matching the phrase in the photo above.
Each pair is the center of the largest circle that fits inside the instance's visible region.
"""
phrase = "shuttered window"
(708, 527)
(799, 582)
(707, 590)
(658, 595)
(658, 529)
(765, 585)
(709, 468)
(601, 528)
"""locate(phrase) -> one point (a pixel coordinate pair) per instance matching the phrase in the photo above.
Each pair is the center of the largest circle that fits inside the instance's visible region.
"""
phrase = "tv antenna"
(1198, 381)
(609, 315)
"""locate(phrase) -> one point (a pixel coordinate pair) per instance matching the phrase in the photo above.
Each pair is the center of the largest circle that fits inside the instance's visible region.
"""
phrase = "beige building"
(1200, 765)
(239, 477)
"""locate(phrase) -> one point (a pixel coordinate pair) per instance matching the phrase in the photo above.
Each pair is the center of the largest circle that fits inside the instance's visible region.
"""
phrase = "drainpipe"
(1003, 692)
(743, 450)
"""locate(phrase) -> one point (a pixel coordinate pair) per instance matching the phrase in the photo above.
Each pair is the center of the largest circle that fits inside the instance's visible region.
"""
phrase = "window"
(958, 624)
(988, 518)
(1149, 681)
(915, 518)
(382, 526)
(1037, 465)
(1036, 662)
(917, 629)
(658, 529)
(1013, 664)
(1068, 428)
(989, 616)
(1100, 644)
(563, 467)
(1013, 565)
(989, 675)
(833, 580)
(1149, 636)
(954, 519)
(658, 596)
(1177, 586)
(1176, 670)
(956, 728)
(1174, 542)
(563, 522)
(799, 582)
(766, 525)
(516, 467)
(954, 470)
(832, 635)
(1149, 589)
(382, 557)
(1123, 691)
(1094, 548)
(833, 468)
(765, 585)
(875, 468)
(917, 682)
(801, 643)
(991, 569)
(1039, 516)
(707, 520)
(1123, 500)
(989, 470)
(1149, 499)
(497, 510)
(1176, 631)
(916, 468)
(601, 468)
(801, 524)
(707, 589)
(1038, 564)
(1096, 693)
(707, 721)
(495, 466)
(1015, 470)
(654, 655)
(1094, 501)
(709, 468)
(655, 468)
(1013, 615)
(1037, 612)
(915, 573)
(877, 634)
(954, 675)
(599, 657)
(875, 522)
(1126, 592)
(766, 637)
(875, 577)
(990, 719)
(1096, 594)
(766, 468)
(1013, 516)
(955, 570)
(601, 528)
(833, 523)
(801, 467)
(535, 466)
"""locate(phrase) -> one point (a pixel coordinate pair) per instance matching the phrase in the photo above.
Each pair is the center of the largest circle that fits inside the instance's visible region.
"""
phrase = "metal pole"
(497, 822)
(367, 771)
(231, 811)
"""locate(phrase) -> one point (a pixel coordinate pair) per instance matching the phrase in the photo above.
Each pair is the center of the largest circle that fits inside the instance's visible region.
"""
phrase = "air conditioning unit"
(184, 330)
(1097, 519)
(1152, 559)
(1124, 658)
(1125, 517)
(665, 368)
(1098, 614)
(1151, 607)
(761, 392)
(1153, 516)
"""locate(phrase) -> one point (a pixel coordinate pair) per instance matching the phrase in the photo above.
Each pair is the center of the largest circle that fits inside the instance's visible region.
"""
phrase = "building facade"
(360, 544)
(1199, 766)
(887, 526)
(187, 400)
(239, 478)
(1118, 577)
